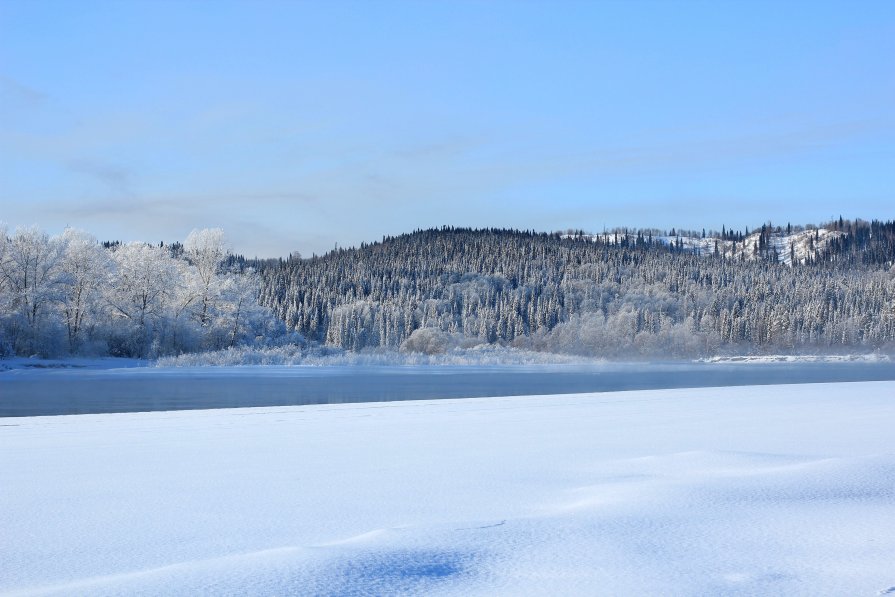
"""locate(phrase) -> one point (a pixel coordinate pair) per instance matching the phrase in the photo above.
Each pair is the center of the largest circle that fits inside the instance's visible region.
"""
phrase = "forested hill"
(622, 293)
(617, 294)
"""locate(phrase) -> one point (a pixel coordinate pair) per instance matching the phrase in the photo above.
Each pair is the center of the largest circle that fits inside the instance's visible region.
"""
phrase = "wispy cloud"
(177, 206)
(18, 94)
(117, 178)
(733, 148)
(244, 218)
(681, 155)
(447, 148)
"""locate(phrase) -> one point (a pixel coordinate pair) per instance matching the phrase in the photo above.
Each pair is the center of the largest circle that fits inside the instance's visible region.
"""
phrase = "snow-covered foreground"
(771, 490)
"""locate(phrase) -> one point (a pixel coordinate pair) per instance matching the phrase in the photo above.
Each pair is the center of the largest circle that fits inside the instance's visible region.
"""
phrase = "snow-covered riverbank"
(735, 491)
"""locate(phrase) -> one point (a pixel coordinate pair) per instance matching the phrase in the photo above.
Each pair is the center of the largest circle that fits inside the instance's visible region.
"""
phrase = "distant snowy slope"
(773, 490)
(794, 247)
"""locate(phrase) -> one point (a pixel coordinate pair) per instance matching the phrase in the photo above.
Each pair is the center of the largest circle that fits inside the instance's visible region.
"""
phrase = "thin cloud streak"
(19, 94)
(693, 155)
(117, 178)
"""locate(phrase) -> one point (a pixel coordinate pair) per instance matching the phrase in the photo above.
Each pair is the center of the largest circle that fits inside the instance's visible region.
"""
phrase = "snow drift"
(737, 491)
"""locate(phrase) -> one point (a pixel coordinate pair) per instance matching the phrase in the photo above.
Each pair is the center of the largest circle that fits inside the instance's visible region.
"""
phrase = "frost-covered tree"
(85, 270)
(32, 276)
(205, 250)
(126, 299)
(139, 294)
(240, 315)
(6, 344)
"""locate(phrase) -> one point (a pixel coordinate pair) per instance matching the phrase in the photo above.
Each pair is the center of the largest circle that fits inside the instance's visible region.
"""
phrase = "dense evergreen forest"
(616, 294)
(622, 293)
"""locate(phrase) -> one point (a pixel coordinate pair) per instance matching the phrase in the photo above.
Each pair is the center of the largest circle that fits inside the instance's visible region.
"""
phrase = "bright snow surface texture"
(773, 490)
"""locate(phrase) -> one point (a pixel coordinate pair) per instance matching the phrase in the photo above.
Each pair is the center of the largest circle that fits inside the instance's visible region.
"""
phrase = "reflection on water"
(147, 389)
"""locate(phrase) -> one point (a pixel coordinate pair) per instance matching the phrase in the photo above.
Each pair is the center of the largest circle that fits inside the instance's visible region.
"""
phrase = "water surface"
(74, 391)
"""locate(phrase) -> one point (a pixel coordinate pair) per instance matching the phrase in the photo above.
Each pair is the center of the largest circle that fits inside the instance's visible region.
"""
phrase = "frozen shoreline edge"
(412, 360)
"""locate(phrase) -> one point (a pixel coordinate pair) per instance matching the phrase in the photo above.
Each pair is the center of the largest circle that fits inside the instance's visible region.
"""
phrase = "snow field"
(771, 490)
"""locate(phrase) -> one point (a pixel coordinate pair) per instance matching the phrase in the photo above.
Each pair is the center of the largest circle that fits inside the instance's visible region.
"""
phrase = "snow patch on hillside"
(795, 247)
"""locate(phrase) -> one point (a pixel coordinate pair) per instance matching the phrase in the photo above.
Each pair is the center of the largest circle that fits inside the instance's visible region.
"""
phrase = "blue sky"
(299, 125)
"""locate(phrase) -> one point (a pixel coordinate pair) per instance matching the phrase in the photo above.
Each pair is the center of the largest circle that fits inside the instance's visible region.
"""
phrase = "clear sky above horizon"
(299, 125)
